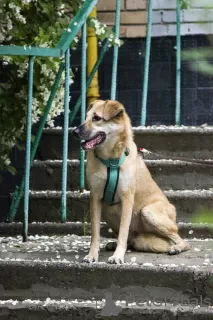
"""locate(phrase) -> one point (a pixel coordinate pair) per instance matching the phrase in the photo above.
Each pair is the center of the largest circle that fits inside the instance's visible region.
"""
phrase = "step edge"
(204, 271)
(149, 162)
(80, 223)
(152, 129)
(196, 193)
(79, 303)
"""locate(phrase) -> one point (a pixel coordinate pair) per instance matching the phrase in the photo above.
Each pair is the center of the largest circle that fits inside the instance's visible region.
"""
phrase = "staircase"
(45, 279)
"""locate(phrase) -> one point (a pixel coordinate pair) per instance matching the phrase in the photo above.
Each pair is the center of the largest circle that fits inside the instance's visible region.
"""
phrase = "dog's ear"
(112, 109)
(91, 105)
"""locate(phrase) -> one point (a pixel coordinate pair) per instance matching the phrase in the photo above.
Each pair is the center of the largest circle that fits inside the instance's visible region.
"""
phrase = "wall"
(134, 17)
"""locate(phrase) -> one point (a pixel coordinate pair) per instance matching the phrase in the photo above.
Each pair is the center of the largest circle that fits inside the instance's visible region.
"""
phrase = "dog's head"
(104, 121)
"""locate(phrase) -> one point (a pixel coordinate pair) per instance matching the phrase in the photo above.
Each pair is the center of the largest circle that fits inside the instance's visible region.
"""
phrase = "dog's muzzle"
(76, 132)
(90, 141)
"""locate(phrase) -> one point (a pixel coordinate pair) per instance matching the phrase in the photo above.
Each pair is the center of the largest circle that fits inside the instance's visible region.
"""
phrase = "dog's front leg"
(126, 215)
(95, 214)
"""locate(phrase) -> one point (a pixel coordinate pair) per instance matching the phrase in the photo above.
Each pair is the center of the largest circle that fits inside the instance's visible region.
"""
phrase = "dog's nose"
(75, 132)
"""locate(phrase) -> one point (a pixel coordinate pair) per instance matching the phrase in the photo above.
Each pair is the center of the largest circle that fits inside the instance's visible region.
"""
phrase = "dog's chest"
(97, 180)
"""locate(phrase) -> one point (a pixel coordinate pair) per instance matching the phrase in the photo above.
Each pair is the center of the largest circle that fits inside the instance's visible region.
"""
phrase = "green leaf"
(185, 4)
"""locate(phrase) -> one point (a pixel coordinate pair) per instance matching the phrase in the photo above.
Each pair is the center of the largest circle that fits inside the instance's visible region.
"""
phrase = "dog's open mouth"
(94, 141)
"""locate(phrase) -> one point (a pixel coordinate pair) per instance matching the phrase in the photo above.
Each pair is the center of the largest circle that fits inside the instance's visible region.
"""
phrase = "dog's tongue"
(91, 143)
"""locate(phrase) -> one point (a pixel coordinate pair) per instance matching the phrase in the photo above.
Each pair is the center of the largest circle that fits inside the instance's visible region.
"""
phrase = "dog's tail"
(151, 243)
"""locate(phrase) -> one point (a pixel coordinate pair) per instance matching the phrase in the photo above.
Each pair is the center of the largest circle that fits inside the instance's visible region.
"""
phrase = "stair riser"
(86, 313)
(48, 209)
(37, 280)
(187, 144)
(186, 231)
(176, 177)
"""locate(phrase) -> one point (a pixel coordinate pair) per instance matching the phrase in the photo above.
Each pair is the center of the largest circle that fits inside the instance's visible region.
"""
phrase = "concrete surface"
(51, 267)
(169, 174)
(168, 140)
(186, 230)
(104, 309)
(46, 205)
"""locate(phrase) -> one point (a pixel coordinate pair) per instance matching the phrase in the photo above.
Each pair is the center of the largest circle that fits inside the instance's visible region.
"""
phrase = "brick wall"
(196, 20)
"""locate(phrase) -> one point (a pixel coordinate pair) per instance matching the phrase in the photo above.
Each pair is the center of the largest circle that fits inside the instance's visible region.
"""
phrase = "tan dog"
(143, 218)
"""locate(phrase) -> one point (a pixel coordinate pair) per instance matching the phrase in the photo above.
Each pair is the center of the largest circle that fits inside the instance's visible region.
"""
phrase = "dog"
(141, 216)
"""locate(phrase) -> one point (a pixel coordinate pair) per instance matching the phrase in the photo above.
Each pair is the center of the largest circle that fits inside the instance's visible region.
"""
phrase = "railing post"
(28, 147)
(146, 65)
(65, 138)
(115, 51)
(83, 101)
(178, 64)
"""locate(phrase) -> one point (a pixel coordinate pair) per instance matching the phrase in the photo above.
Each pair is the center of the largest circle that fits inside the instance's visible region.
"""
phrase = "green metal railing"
(115, 53)
(19, 190)
(146, 65)
(178, 64)
(83, 100)
(66, 135)
(63, 49)
(147, 62)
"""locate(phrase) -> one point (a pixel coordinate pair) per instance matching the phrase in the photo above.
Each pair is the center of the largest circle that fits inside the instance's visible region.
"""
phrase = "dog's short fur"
(144, 219)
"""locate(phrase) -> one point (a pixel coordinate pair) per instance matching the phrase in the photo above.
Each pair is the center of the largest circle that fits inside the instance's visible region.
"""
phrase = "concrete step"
(183, 141)
(186, 230)
(58, 309)
(50, 267)
(169, 174)
(46, 205)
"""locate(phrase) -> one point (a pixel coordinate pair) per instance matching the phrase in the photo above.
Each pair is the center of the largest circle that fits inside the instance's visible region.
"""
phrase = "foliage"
(203, 216)
(103, 32)
(200, 58)
(185, 4)
(32, 23)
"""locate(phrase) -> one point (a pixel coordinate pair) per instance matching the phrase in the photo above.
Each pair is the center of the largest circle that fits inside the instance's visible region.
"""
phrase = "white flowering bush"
(103, 32)
(33, 23)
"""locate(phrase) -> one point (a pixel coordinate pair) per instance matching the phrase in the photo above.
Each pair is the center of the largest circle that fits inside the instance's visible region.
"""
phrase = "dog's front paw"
(117, 258)
(91, 258)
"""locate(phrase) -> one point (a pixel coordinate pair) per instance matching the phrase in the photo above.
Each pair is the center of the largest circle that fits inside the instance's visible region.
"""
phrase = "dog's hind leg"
(111, 246)
(150, 243)
(158, 221)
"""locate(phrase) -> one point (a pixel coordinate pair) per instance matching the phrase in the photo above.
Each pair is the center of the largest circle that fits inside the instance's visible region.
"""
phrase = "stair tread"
(70, 249)
(51, 267)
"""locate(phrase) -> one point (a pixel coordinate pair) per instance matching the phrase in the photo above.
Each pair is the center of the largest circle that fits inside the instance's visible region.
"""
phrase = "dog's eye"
(96, 118)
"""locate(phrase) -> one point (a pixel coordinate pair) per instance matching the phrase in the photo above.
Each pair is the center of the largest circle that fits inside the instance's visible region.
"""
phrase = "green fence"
(63, 49)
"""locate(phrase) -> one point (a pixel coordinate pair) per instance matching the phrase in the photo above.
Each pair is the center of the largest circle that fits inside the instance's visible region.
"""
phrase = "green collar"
(113, 170)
